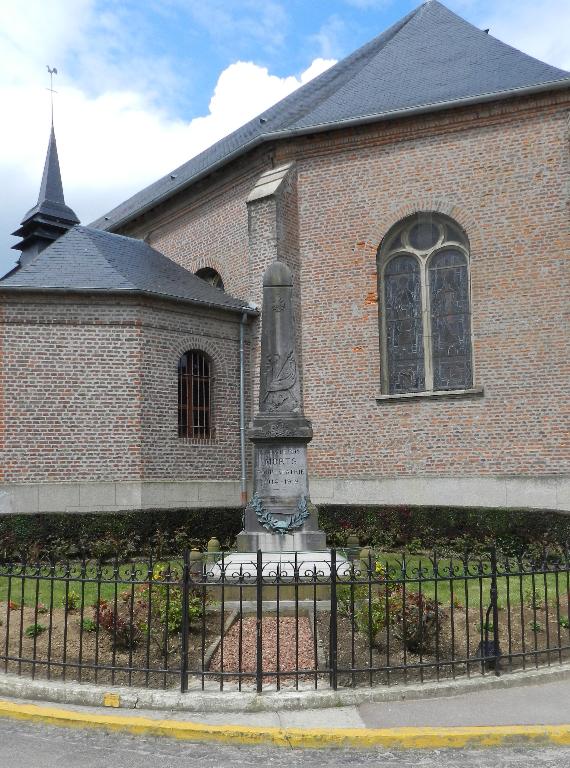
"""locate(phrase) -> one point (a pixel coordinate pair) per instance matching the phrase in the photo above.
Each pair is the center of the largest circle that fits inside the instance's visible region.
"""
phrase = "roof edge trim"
(127, 292)
(262, 138)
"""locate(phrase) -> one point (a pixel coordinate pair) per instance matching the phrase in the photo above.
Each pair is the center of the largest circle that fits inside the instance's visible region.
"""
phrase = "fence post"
(333, 628)
(259, 623)
(185, 628)
(494, 594)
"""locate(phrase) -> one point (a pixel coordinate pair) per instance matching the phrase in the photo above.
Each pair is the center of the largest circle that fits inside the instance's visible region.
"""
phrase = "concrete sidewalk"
(491, 716)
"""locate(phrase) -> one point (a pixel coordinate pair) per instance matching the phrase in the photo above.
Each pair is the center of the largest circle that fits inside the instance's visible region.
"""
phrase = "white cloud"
(111, 142)
(329, 36)
(540, 29)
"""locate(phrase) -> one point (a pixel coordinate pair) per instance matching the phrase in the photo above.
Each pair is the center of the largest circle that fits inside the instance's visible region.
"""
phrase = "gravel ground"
(288, 648)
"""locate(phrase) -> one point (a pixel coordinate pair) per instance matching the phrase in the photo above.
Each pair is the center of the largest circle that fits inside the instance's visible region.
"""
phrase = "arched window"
(210, 276)
(195, 396)
(426, 320)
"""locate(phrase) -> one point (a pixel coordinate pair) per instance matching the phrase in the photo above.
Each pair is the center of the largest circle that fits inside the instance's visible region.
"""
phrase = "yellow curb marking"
(111, 700)
(403, 738)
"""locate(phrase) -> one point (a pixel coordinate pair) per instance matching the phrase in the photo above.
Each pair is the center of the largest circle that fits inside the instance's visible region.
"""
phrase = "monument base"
(309, 566)
(296, 541)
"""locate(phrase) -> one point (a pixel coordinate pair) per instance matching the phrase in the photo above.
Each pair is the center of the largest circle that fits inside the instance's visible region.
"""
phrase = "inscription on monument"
(280, 470)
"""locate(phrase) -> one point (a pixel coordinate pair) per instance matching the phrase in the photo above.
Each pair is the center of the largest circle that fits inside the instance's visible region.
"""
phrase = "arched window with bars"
(425, 323)
(195, 396)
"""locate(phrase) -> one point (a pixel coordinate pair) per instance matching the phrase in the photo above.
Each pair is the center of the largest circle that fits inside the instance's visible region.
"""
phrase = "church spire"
(50, 217)
(51, 189)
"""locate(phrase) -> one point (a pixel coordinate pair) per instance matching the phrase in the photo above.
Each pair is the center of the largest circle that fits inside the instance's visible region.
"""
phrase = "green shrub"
(70, 600)
(88, 625)
(153, 609)
(33, 630)
(534, 597)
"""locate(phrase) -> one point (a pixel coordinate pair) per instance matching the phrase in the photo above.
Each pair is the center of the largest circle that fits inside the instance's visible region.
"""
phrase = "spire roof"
(51, 201)
(50, 217)
(431, 59)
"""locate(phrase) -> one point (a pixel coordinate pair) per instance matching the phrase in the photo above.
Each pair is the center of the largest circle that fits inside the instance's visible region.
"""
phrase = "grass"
(512, 589)
(31, 591)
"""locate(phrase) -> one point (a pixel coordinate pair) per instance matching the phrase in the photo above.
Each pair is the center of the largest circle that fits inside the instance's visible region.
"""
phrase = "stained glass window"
(423, 235)
(426, 323)
(450, 327)
(404, 332)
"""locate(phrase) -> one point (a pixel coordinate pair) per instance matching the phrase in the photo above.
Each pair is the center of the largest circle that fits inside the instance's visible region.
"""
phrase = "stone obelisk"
(280, 516)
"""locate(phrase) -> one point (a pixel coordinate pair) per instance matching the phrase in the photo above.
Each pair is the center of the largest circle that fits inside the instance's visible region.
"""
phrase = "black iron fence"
(269, 621)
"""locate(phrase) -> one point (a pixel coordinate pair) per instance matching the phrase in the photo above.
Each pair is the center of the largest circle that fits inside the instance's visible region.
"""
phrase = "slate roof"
(86, 259)
(431, 59)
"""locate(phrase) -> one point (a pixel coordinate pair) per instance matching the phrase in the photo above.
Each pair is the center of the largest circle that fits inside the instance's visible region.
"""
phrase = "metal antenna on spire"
(52, 72)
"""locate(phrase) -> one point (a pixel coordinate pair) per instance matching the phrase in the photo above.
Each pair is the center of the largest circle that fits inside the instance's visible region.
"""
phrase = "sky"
(144, 85)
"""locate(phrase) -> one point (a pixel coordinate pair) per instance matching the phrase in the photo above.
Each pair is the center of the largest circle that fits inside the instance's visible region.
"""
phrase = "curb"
(394, 738)
(87, 694)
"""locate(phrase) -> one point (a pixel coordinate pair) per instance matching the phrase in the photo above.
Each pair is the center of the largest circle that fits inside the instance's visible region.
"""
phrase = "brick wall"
(208, 225)
(90, 390)
(88, 386)
(72, 391)
(502, 171)
(506, 183)
(167, 334)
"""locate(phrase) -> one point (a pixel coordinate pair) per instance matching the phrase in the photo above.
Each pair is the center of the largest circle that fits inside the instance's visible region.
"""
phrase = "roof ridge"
(94, 236)
(431, 59)
(343, 69)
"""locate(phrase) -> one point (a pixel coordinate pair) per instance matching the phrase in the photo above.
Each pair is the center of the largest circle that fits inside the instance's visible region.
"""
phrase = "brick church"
(419, 192)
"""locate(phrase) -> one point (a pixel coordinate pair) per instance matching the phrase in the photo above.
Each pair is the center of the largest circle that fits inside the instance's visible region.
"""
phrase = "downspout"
(243, 479)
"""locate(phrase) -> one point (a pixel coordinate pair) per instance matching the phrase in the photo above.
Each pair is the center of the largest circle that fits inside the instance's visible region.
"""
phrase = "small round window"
(210, 276)
(423, 235)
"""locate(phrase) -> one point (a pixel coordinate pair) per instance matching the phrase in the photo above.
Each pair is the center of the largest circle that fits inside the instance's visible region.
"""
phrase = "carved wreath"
(276, 524)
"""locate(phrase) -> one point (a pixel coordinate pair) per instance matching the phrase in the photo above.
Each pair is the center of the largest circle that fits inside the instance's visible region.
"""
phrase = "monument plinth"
(280, 516)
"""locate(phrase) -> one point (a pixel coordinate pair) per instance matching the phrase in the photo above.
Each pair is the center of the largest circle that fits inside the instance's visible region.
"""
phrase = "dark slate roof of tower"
(86, 259)
(431, 59)
(50, 200)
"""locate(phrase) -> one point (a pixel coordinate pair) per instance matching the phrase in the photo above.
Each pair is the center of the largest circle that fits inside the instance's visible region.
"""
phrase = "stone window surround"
(434, 394)
(384, 256)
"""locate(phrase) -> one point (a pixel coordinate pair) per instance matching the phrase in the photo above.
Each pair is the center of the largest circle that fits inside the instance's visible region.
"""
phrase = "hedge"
(106, 535)
(446, 529)
(169, 532)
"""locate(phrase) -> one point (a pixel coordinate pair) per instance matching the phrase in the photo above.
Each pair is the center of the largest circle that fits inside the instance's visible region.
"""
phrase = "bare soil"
(457, 640)
(63, 651)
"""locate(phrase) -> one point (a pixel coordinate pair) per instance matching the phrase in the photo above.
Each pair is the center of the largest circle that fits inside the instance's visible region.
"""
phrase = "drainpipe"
(243, 479)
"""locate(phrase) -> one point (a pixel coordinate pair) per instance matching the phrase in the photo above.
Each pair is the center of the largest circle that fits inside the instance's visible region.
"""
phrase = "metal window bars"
(194, 396)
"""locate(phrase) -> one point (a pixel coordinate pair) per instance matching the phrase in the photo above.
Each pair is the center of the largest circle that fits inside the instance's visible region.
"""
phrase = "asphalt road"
(30, 745)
